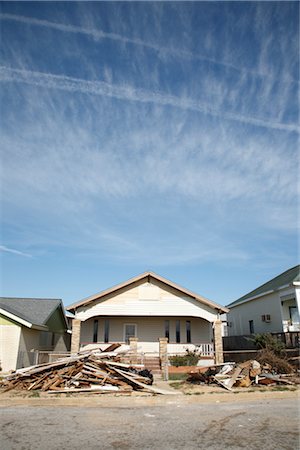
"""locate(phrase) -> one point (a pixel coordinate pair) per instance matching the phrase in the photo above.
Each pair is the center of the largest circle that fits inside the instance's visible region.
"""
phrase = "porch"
(290, 314)
(182, 333)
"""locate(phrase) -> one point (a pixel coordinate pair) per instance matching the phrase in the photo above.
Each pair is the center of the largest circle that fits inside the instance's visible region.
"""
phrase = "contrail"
(3, 248)
(129, 93)
(99, 34)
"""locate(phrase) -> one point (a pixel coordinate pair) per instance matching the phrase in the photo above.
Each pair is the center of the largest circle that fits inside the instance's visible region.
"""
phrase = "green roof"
(287, 277)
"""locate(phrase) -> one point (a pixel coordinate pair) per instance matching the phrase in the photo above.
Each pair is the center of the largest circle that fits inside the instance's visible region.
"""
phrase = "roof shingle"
(34, 310)
(285, 278)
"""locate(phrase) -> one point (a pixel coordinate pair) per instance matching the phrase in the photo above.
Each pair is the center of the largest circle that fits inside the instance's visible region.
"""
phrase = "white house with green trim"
(28, 325)
(271, 308)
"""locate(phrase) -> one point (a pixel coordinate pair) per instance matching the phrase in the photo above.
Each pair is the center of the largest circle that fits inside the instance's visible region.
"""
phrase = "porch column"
(75, 340)
(163, 356)
(133, 342)
(218, 342)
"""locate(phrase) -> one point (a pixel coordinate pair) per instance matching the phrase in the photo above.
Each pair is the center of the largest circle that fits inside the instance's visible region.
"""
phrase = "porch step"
(152, 363)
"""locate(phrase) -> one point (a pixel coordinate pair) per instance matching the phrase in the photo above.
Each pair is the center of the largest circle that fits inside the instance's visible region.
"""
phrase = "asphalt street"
(261, 424)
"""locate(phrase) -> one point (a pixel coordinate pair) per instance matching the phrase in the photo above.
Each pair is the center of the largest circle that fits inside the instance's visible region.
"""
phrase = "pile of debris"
(244, 374)
(93, 371)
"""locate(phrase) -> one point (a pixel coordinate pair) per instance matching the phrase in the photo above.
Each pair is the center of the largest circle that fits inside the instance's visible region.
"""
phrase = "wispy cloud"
(130, 93)
(149, 147)
(5, 249)
(161, 50)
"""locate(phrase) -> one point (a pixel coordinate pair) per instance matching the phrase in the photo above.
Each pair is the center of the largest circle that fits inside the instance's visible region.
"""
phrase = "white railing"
(288, 327)
(148, 347)
(204, 349)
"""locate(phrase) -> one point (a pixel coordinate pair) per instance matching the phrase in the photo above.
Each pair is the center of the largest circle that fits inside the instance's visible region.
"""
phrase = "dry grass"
(278, 364)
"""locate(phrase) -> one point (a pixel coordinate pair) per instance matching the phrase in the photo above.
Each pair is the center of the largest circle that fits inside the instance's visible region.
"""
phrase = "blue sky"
(155, 136)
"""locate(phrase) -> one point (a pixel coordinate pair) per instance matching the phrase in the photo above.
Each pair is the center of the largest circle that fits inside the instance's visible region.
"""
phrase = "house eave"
(21, 321)
(255, 297)
(205, 301)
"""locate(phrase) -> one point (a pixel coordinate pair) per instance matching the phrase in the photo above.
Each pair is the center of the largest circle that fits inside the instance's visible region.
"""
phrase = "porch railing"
(289, 327)
(204, 349)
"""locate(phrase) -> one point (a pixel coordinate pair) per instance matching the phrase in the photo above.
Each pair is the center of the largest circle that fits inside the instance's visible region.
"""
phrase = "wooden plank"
(89, 391)
(276, 378)
(144, 386)
(112, 347)
(229, 381)
(128, 366)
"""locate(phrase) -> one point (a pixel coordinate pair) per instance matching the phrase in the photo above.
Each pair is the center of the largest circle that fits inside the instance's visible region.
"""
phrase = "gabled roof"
(286, 278)
(147, 275)
(31, 312)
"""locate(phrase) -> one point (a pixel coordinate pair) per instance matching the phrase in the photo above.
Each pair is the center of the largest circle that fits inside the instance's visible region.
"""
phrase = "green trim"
(6, 321)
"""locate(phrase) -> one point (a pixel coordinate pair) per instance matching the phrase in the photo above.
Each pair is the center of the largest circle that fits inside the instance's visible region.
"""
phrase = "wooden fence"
(245, 342)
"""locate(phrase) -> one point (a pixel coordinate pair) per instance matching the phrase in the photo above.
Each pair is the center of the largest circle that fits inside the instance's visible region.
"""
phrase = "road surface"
(257, 424)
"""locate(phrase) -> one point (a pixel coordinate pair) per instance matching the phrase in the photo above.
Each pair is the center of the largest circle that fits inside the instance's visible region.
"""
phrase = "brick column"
(218, 342)
(75, 340)
(133, 342)
(163, 356)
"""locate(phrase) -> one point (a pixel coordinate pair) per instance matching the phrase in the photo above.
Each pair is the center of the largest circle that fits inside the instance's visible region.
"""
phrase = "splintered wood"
(245, 374)
(93, 371)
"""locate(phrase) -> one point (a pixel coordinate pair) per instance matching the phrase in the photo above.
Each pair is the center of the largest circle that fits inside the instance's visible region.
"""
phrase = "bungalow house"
(30, 324)
(147, 308)
(271, 308)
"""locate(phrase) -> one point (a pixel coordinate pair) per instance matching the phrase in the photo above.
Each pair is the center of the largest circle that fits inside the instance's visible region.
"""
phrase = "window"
(167, 329)
(46, 339)
(95, 334)
(129, 331)
(188, 331)
(178, 331)
(106, 330)
(251, 326)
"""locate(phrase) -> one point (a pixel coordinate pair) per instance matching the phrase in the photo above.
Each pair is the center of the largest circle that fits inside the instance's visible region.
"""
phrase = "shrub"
(269, 342)
(189, 359)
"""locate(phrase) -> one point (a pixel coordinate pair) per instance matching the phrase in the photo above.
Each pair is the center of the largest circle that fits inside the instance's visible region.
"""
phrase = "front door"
(129, 331)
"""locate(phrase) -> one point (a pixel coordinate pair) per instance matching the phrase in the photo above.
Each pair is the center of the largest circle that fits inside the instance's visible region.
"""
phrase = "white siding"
(132, 302)
(9, 346)
(239, 316)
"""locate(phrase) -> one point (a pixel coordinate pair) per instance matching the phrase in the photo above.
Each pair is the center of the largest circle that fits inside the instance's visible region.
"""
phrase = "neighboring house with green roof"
(271, 308)
(29, 324)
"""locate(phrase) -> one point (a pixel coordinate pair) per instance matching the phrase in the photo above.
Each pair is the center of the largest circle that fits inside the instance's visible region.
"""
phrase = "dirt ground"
(211, 419)
(184, 392)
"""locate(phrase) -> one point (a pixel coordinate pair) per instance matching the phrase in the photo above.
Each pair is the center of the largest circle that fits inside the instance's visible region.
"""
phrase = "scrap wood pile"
(93, 371)
(244, 374)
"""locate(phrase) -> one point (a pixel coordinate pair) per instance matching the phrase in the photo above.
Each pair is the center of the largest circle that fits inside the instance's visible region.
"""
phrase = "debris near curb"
(244, 374)
(93, 371)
